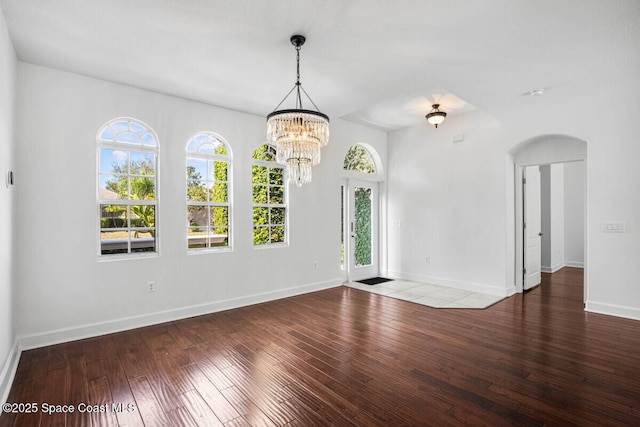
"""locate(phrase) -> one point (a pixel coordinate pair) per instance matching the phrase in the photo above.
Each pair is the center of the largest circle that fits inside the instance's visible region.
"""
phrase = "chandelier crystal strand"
(299, 171)
(298, 134)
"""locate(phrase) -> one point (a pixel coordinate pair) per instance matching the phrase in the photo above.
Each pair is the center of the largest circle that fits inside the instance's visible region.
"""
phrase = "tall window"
(127, 183)
(208, 189)
(269, 198)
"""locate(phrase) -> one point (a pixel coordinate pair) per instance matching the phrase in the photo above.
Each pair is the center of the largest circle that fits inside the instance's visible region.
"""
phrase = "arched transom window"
(359, 159)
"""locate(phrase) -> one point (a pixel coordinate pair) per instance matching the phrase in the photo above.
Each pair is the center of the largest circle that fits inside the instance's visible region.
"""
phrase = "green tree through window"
(208, 189)
(358, 159)
(363, 226)
(269, 197)
(127, 178)
(137, 183)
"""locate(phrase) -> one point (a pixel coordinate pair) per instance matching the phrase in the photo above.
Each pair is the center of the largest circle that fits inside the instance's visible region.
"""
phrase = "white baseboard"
(575, 264)
(467, 286)
(57, 336)
(8, 372)
(613, 310)
(553, 269)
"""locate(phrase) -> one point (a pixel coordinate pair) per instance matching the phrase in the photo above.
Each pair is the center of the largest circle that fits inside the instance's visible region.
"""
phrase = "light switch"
(613, 227)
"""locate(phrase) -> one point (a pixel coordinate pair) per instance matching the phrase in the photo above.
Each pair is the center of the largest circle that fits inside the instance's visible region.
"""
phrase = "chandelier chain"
(298, 65)
(298, 84)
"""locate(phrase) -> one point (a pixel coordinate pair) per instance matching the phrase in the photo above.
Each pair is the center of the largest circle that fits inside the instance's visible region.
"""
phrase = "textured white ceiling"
(379, 62)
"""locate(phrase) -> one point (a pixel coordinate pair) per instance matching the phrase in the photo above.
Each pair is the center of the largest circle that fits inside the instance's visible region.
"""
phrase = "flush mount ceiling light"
(435, 116)
(298, 133)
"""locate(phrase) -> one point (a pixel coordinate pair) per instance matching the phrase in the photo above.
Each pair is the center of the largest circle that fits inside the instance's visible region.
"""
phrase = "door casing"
(532, 235)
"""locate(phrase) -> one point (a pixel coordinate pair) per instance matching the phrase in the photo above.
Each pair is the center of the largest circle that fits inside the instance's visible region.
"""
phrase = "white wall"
(454, 202)
(66, 292)
(553, 216)
(563, 213)
(574, 193)
(545, 216)
(558, 216)
(446, 201)
(8, 352)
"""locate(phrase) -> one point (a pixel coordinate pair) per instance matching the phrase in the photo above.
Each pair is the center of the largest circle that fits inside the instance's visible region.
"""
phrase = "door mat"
(374, 280)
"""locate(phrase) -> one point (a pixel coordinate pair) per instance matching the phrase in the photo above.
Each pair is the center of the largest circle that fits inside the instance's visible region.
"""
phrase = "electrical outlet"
(315, 265)
(427, 260)
(151, 287)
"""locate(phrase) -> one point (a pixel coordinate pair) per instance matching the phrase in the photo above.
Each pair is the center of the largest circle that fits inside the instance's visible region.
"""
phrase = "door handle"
(352, 232)
(540, 234)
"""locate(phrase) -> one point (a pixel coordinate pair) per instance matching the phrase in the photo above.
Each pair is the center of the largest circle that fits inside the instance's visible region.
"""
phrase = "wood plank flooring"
(350, 358)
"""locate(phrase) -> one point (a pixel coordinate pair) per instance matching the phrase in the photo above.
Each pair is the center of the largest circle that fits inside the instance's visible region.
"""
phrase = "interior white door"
(532, 234)
(362, 230)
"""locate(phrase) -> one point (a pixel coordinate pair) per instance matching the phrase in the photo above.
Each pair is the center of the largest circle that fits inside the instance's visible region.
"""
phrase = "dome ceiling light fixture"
(298, 133)
(435, 116)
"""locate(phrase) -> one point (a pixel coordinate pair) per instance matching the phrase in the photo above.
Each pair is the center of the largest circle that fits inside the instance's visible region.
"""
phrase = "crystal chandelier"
(297, 133)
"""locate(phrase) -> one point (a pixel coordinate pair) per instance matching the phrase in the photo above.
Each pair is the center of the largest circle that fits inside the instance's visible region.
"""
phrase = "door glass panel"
(342, 211)
(362, 226)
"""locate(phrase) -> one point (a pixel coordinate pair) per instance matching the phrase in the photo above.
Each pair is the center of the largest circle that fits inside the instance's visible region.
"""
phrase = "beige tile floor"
(432, 295)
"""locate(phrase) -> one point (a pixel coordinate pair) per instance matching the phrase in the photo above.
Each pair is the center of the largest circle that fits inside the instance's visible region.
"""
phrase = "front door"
(532, 235)
(362, 230)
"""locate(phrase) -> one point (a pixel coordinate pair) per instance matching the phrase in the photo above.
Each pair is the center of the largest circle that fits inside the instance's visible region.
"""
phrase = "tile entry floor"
(432, 295)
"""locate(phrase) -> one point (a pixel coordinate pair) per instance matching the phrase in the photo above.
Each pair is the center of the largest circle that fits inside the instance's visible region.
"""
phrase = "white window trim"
(128, 147)
(229, 205)
(285, 204)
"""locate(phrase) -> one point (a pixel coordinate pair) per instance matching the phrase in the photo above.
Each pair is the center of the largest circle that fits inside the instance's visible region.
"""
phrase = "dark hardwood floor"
(346, 357)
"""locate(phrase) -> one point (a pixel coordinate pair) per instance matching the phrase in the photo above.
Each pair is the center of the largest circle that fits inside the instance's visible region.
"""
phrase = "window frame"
(270, 164)
(190, 154)
(129, 147)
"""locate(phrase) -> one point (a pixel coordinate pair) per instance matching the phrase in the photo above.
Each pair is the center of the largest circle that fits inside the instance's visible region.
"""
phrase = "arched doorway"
(540, 155)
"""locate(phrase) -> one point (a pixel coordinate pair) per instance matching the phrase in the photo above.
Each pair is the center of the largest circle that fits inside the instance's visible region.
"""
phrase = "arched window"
(269, 198)
(208, 192)
(359, 159)
(127, 187)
